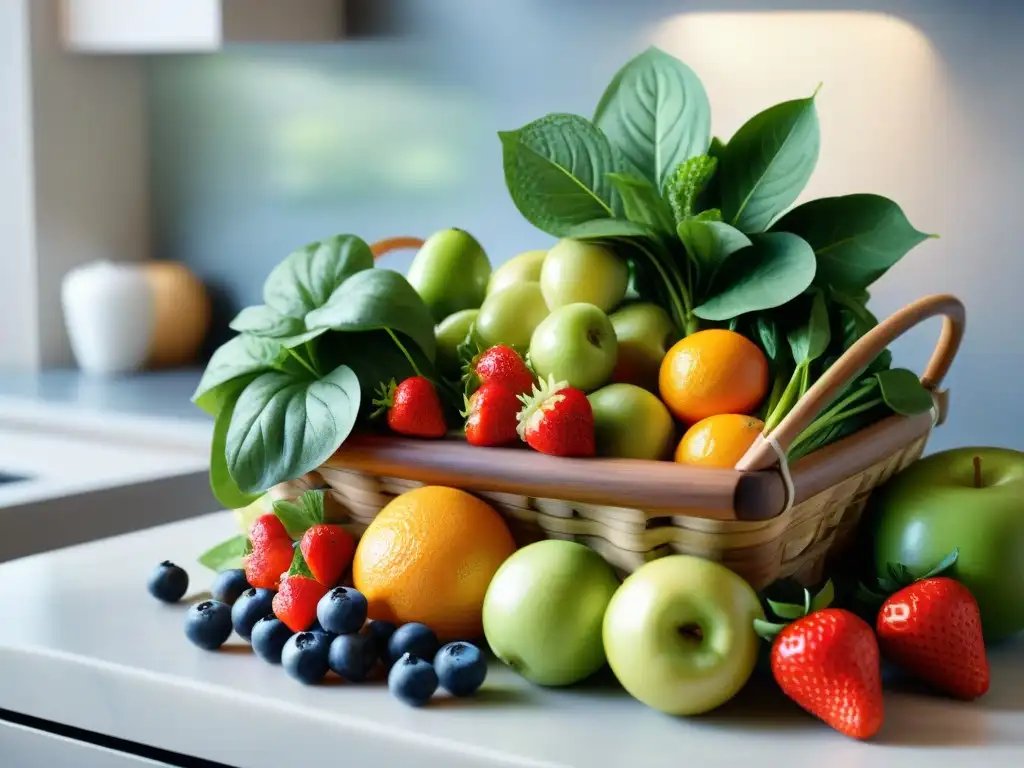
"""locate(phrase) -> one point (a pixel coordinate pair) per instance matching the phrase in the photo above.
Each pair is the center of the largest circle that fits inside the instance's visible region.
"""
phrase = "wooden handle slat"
(383, 247)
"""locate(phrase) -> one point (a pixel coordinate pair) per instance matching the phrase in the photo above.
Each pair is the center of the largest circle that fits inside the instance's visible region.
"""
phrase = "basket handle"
(389, 244)
(762, 453)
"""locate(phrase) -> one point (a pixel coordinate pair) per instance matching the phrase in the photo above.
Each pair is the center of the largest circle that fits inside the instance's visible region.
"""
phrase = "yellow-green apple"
(645, 332)
(631, 423)
(450, 272)
(543, 611)
(450, 333)
(970, 499)
(575, 344)
(576, 271)
(524, 268)
(679, 634)
(511, 315)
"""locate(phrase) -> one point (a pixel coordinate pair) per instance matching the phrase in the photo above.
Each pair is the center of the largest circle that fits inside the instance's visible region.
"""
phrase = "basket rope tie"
(787, 476)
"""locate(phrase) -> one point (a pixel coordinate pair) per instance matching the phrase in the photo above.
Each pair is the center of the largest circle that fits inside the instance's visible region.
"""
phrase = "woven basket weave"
(630, 512)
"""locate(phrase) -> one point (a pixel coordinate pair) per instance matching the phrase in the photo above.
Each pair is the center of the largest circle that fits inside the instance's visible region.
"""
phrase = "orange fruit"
(718, 441)
(429, 556)
(712, 372)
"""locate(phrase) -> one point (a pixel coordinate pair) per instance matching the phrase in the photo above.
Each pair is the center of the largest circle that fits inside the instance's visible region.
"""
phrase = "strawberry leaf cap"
(385, 398)
(299, 567)
(900, 576)
(793, 611)
(533, 403)
(303, 513)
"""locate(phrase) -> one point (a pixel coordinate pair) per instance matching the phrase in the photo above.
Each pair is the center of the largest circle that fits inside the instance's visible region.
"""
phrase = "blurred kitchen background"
(186, 142)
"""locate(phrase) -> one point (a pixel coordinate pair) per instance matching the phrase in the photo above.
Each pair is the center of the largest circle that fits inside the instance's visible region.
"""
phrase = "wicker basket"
(757, 519)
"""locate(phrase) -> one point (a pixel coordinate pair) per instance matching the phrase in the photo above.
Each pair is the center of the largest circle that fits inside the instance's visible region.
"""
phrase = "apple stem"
(977, 471)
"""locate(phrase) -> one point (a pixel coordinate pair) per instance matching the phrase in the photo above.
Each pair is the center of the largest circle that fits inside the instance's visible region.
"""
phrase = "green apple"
(450, 333)
(679, 634)
(940, 503)
(524, 268)
(575, 344)
(576, 272)
(450, 272)
(631, 423)
(645, 332)
(544, 608)
(511, 315)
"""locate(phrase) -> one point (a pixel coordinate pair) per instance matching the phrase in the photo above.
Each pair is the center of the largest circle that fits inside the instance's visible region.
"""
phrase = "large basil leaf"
(285, 426)
(556, 171)
(777, 268)
(606, 229)
(766, 165)
(656, 111)
(262, 320)
(855, 237)
(306, 279)
(237, 357)
(904, 392)
(223, 485)
(378, 298)
(642, 203)
(709, 244)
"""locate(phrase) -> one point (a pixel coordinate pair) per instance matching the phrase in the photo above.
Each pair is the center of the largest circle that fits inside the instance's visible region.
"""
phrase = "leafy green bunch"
(709, 233)
(288, 389)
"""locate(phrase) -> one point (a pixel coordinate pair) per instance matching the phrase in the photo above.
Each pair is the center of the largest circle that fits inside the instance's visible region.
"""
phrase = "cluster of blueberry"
(342, 640)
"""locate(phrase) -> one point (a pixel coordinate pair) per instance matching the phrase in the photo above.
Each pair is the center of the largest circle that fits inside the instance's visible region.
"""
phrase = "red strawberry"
(327, 550)
(491, 414)
(271, 554)
(500, 365)
(932, 629)
(413, 407)
(295, 603)
(557, 420)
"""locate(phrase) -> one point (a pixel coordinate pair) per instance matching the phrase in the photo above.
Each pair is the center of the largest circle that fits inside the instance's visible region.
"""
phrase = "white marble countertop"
(83, 644)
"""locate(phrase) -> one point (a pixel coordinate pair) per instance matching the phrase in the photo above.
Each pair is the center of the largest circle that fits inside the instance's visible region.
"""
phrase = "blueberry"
(353, 656)
(168, 582)
(461, 668)
(268, 638)
(342, 611)
(304, 657)
(415, 638)
(412, 680)
(229, 585)
(208, 624)
(381, 632)
(252, 606)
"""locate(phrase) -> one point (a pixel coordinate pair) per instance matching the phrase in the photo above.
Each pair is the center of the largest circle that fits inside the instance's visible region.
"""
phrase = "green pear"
(524, 268)
(450, 273)
(645, 333)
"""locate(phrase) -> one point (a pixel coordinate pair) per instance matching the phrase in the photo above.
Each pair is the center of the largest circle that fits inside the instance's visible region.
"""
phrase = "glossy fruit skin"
(208, 624)
(352, 657)
(921, 514)
(575, 344)
(631, 423)
(250, 607)
(413, 638)
(461, 668)
(168, 583)
(932, 629)
(450, 333)
(416, 409)
(412, 680)
(491, 416)
(296, 602)
(304, 657)
(271, 555)
(327, 550)
(713, 372)
(718, 441)
(828, 663)
(450, 272)
(577, 271)
(342, 611)
(644, 333)
(228, 586)
(502, 365)
(269, 635)
(558, 421)
(523, 268)
(509, 316)
(428, 556)
(654, 657)
(544, 610)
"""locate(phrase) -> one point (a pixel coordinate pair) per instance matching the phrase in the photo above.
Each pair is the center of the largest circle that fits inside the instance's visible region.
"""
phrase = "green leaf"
(556, 171)
(226, 555)
(642, 203)
(807, 601)
(824, 598)
(903, 392)
(710, 243)
(607, 229)
(687, 182)
(305, 280)
(223, 485)
(943, 565)
(312, 502)
(656, 111)
(766, 165)
(299, 566)
(374, 299)
(295, 519)
(285, 426)
(786, 610)
(266, 321)
(770, 335)
(856, 238)
(241, 356)
(767, 630)
(775, 269)
(712, 214)
(809, 341)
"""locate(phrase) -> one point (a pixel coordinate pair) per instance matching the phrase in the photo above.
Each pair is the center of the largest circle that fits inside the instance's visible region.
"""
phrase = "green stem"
(303, 363)
(680, 312)
(786, 402)
(777, 389)
(308, 346)
(405, 352)
(834, 418)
